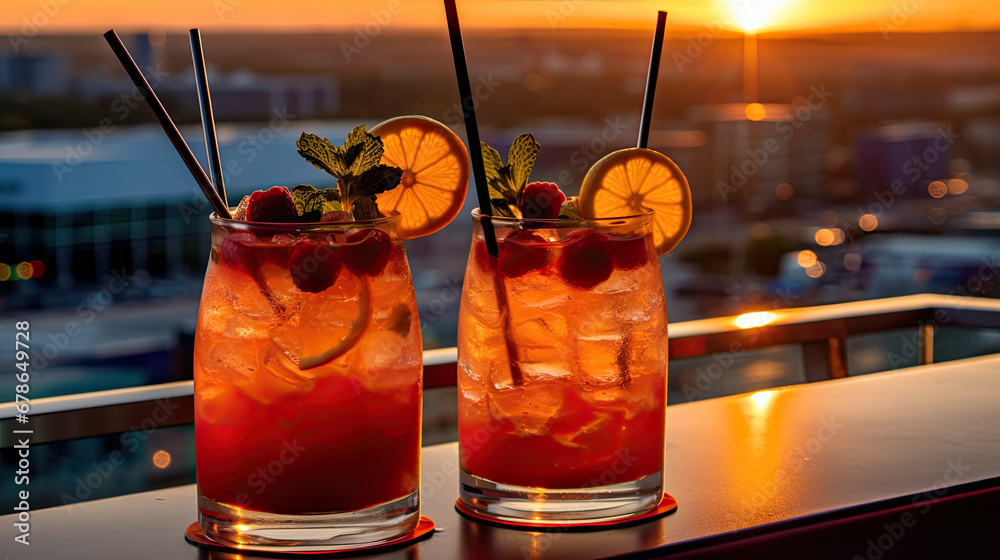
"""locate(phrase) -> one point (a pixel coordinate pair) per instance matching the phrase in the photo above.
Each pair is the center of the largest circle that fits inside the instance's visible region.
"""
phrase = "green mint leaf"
(377, 180)
(491, 161)
(570, 210)
(311, 203)
(365, 208)
(331, 201)
(373, 181)
(321, 153)
(362, 151)
(503, 194)
(308, 201)
(503, 208)
(520, 160)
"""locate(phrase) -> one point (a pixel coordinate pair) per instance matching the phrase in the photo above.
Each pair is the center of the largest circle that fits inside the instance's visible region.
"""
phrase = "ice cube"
(277, 379)
(219, 404)
(534, 372)
(543, 338)
(384, 363)
(528, 407)
(603, 360)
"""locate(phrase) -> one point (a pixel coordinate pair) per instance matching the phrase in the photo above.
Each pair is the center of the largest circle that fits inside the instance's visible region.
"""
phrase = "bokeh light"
(829, 236)
(161, 459)
(829, 218)
(4, 272)
(37, 269)
(868, 222)
(937, 215)
(755, 111)
(816, 270)
(806, 258)
(937, 189)
(24, 270)
(957, 186)
(784, 191)
(761, 399)
(755, 319)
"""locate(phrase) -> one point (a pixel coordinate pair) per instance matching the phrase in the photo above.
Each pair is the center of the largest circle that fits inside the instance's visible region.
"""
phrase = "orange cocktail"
(307, 396)
(308, 355)
(563, 363)
(562, 340)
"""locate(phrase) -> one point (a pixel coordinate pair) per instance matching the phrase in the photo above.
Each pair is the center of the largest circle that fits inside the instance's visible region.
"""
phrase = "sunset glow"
(751, 15)
(686, 16)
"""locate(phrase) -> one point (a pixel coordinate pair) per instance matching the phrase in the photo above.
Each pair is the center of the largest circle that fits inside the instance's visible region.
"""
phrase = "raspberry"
(522, 252)
(541, 200)
(275, 205)
(314, 266)
(235, 251)
(368, 251)
(587, 260)
(629, 252)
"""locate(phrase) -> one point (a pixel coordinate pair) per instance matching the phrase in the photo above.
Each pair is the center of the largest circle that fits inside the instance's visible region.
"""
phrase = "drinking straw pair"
(215, 190)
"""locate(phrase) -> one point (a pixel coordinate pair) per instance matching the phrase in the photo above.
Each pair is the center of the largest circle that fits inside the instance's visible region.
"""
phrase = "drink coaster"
(667, 505)
(195, 536)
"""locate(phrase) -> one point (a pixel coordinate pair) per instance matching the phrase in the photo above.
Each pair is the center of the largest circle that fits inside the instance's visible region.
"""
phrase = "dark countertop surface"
(737, 466)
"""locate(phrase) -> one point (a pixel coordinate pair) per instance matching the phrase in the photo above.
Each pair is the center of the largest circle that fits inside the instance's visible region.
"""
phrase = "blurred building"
(88, 202)
(41, 75)
(900, 160)
(756, 147)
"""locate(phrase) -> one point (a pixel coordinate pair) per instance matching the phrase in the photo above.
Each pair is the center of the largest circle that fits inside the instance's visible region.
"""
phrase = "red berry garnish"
(629, 252)
(235, 251)
(587, 260)
(367, 251)
(521, 252)
(541, 201)
(314, 266)
(275, 205)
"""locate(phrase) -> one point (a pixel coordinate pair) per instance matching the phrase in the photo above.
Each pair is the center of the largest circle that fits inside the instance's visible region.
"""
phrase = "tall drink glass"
(562, 371)
(307, 374)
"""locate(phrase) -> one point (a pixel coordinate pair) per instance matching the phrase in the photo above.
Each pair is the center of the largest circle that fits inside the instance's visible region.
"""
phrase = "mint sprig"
(570, 210)
(506, 182)
(312, 203)
(356, 166)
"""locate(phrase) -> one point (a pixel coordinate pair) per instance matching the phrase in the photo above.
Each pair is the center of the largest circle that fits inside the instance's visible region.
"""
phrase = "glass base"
(257, 530)
(597, 504)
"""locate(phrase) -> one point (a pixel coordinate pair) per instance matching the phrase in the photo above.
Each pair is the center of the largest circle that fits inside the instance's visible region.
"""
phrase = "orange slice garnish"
(435, 166)
(630, 181)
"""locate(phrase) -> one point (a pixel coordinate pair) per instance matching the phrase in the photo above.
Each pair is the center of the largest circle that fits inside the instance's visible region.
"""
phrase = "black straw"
(654, 69)
(471, 127)
(207, 116)
(168, 125)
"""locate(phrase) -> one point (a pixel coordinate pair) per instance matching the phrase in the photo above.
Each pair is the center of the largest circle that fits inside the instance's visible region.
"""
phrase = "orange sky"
(685, 15)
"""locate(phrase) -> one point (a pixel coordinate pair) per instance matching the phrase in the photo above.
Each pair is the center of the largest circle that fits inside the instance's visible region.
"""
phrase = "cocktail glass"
(307, 374)
(562, 353)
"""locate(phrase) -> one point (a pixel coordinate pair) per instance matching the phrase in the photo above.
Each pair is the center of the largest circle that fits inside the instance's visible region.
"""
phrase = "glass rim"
(560, 222)
(243, 225)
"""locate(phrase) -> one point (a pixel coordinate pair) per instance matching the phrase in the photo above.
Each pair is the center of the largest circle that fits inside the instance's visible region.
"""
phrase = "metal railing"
(822, 332)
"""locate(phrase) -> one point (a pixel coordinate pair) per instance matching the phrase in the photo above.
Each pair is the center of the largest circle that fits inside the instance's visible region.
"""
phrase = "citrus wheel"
(435, 168)
(630, 181)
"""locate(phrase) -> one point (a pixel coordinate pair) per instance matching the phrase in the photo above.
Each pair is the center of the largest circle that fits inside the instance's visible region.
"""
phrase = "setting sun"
(752, 15)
